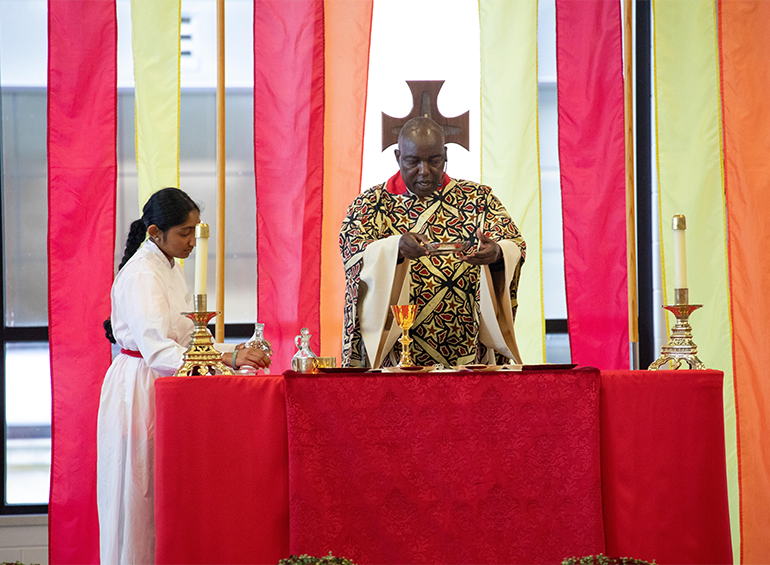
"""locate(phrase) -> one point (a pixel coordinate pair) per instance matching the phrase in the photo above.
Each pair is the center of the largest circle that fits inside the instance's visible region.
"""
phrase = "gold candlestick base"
(405, 315)
(680, 347)
(201, 359)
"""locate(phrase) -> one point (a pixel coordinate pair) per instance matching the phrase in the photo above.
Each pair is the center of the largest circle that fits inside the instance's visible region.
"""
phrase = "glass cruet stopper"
(302, 342)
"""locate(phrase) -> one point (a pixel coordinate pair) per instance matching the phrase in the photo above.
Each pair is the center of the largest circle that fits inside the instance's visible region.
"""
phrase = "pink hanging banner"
(592, 161)
(82, 167)
(288, 154)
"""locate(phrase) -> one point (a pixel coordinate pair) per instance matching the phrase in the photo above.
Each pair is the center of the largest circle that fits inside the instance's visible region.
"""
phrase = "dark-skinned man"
(466, 300)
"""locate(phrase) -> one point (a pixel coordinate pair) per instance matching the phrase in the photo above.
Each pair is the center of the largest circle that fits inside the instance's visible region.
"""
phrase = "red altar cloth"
(222, 487)
(664, 485)
(445, 468)
(221, 475)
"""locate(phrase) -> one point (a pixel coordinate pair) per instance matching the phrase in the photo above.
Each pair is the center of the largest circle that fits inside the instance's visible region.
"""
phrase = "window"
(25, 372)
(25, 368)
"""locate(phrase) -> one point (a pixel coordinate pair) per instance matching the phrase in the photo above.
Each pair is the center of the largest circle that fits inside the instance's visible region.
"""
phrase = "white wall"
(24, 538)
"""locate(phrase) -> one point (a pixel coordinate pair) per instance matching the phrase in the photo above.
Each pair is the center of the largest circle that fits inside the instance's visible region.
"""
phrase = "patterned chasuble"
(444, 288)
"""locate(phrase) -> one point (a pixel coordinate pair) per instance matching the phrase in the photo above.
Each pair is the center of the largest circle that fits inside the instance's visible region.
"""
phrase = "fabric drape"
(744, 39)
(445, 469)
(243, 517)
(311, 59)
(82, 168)
(509, 146)
(664, 491)
(689, 163)
(155, 41)
(592, 164)
(347, 34)
(289, 168)
(385, 436)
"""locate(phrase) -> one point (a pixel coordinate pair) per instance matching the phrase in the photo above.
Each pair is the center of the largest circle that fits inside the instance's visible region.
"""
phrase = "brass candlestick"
(405, 315)
(201, 359)
(680, 346)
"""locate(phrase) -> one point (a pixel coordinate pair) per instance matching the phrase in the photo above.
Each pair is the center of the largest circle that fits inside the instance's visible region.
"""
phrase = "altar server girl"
(148, 296)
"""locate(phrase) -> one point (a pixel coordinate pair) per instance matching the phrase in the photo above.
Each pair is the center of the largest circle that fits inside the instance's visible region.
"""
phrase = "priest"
(445, 245)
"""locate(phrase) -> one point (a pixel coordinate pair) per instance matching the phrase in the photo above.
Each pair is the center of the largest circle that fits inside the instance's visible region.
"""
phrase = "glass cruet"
(258, 340)
(302, 342)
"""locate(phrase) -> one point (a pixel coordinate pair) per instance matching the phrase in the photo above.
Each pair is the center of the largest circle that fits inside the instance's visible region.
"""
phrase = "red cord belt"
(131, 353)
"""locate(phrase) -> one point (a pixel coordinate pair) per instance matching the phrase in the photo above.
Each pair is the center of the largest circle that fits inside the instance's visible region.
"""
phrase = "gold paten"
(201, 359)
(680, 347)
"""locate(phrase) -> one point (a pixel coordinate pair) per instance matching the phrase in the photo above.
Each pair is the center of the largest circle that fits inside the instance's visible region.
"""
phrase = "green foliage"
(604, 560)
(310, 560)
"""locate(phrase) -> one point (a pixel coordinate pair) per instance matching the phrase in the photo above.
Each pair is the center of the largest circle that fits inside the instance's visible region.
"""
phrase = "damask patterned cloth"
(444, 288)
(446, 468)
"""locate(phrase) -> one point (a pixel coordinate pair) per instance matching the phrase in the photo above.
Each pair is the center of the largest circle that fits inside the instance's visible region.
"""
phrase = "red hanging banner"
(288, 155)
(82, 168)
(592, 162)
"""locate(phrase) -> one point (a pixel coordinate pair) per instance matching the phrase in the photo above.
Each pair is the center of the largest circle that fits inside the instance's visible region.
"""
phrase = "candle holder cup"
(201, 359)
(680, 347)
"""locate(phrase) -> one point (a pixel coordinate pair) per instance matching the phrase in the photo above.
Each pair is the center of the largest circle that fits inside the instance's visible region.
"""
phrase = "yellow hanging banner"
(509, 146)
(690, 181)
(155, 40)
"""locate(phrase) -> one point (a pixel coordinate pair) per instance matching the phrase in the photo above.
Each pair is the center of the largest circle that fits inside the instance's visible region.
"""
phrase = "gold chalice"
(405, 315)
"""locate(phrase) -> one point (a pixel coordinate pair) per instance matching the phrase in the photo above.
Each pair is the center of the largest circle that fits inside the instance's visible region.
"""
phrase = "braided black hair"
(167, 208)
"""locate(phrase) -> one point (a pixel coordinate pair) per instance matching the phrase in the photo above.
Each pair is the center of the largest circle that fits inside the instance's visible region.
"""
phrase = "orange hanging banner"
(744, 40)
(347, 32)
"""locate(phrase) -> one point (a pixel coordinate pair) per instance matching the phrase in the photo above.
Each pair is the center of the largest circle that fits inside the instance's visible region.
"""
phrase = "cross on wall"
(425, 103)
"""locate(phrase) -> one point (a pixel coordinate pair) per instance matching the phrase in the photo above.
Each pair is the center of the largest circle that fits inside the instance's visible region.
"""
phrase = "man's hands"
(413, 245)
(485, 253)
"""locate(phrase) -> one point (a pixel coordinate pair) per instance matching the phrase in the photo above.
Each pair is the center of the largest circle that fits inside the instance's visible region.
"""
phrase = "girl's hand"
(247, 356)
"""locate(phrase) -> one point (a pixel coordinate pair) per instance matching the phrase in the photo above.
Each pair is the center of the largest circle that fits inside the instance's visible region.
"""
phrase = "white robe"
(148, 296)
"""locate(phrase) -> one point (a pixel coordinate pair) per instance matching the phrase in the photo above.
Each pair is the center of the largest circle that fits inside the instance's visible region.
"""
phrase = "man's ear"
(446, 155)
(397, 153)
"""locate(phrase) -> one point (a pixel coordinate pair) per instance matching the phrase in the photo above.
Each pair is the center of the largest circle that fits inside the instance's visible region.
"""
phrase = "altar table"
(664, 483)
(483, 467)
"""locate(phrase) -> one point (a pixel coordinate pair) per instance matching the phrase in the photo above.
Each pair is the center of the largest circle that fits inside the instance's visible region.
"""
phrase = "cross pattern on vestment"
(425, 103)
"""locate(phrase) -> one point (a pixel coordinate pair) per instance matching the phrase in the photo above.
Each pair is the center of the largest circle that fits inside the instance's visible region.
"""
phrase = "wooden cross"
(425, 103)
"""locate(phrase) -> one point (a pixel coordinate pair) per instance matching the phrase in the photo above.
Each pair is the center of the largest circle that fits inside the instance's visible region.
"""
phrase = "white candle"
(680, 252)
(201, 256)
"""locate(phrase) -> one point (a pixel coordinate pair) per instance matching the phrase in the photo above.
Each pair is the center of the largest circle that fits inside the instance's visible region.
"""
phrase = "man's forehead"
(421, 146)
